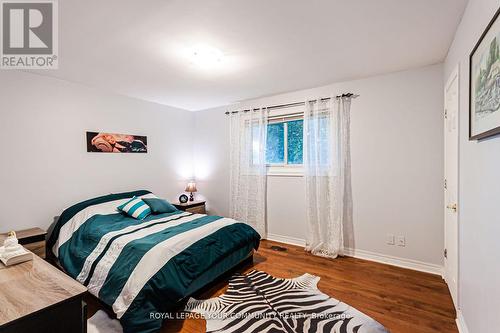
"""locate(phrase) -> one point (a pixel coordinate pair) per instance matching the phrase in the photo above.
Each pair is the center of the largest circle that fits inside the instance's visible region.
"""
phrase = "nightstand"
(195, 207)
(32, 239)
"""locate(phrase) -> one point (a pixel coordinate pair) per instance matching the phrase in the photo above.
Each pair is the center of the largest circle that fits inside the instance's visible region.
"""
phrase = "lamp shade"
(191, 187)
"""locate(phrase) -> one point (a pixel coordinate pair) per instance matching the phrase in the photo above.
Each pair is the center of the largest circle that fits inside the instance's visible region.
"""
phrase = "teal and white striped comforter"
(142, 267)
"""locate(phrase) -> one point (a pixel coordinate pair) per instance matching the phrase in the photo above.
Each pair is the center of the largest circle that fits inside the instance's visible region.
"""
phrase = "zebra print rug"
(258, 302)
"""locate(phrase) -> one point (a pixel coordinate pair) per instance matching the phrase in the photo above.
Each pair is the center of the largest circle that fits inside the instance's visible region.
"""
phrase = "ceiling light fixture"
(206, 56)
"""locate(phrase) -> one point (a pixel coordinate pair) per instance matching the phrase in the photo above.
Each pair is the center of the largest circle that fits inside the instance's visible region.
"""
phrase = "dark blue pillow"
(159, 206)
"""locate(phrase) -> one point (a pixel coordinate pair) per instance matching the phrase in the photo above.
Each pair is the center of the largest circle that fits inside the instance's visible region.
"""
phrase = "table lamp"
(191, 187)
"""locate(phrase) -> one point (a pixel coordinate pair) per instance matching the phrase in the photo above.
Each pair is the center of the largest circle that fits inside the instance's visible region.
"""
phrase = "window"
(284, 143)
(295, 138)
(275, 145)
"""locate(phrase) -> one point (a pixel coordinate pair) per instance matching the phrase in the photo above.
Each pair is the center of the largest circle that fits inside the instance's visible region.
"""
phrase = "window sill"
(285, 171)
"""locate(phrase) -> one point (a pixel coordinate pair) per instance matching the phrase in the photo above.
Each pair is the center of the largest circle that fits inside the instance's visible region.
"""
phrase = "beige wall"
(44, 165)
(479, 190)
(397, 164)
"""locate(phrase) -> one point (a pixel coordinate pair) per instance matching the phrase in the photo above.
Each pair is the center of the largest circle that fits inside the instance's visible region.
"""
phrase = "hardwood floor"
(402, 300)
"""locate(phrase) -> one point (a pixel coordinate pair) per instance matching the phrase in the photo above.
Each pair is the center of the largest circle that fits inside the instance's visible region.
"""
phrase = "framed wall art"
(100, 142)
(484, 84)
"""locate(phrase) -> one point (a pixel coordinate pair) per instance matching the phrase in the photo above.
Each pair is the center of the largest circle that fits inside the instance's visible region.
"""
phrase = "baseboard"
(286, 239)
(368, 255)
(395, 261)
(462, 327)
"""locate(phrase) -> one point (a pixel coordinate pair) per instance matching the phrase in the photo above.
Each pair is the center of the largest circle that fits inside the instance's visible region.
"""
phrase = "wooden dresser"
(37, 297)
(196, 207)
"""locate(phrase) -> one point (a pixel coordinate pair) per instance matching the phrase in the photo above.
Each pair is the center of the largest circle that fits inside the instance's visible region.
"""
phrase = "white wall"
(44, 166)
(397, 164)
(479, 190)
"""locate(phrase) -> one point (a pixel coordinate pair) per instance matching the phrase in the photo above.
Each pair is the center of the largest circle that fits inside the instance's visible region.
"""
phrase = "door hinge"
(445, 113)
(445, 184)
(445, 253)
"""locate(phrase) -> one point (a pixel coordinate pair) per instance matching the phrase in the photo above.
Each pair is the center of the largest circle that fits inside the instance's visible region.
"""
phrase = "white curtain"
(327, 171)
(248, 134)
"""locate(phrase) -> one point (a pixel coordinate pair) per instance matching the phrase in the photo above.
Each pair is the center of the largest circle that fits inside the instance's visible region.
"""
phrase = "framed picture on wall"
(100, 142)
(484, 84)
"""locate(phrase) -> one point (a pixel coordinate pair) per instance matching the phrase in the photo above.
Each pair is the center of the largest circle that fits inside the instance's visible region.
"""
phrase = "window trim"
(296, 170)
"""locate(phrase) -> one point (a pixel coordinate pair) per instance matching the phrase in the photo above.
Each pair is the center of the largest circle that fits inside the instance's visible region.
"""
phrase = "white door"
(451, 185)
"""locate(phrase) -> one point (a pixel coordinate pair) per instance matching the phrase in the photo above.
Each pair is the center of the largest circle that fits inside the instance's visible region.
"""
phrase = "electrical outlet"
(401, 241)
(389, 239)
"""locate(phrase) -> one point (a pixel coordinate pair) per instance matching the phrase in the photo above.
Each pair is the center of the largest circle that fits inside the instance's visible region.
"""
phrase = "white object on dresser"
(12, 253)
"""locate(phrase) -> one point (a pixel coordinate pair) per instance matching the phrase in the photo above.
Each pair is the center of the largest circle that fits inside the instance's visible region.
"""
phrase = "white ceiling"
(137, 48)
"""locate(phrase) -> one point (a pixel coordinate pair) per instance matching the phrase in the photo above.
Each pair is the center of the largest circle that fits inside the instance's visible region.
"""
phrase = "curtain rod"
(289, 105)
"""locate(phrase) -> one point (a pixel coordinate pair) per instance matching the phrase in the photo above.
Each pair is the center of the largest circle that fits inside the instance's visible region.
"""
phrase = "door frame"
(455, 74)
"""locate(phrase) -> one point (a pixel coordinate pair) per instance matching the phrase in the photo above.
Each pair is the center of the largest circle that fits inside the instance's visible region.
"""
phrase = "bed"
(143, 269)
